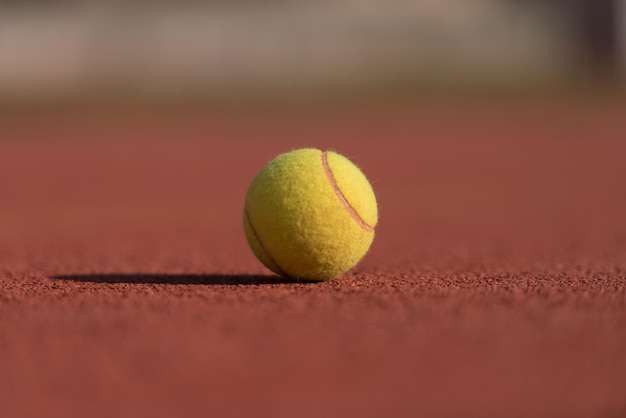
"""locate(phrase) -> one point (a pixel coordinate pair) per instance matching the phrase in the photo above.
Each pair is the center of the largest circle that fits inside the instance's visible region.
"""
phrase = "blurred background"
(88, 89)
(165, 50)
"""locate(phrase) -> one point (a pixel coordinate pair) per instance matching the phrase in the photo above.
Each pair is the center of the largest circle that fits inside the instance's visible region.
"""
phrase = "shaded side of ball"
(310, 215)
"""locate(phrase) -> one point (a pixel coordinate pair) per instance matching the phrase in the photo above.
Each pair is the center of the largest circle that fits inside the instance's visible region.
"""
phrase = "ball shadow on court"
(176, 279)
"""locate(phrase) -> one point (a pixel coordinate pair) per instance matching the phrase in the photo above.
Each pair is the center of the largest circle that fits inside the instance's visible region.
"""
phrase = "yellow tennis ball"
(310, 215)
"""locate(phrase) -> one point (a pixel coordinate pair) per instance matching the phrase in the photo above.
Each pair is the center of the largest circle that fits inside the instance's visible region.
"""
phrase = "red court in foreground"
(495, 287)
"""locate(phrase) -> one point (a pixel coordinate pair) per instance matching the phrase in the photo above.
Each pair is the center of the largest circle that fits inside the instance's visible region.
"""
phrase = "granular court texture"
(495, 287)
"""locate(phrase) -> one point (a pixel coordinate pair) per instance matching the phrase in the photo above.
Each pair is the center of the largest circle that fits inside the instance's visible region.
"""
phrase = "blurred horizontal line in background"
(169, 48)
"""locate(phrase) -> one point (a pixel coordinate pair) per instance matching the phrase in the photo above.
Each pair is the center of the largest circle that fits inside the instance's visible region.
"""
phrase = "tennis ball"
(310, 215)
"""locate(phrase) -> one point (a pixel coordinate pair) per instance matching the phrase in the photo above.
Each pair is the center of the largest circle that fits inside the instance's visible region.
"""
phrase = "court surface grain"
(496, 286)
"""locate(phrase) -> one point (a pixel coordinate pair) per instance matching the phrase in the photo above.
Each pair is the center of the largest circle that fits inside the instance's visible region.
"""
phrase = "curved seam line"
(342, 198)
(267, 254)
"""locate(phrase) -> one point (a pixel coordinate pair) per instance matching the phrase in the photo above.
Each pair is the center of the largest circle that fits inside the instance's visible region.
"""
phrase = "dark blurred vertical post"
(600, 37)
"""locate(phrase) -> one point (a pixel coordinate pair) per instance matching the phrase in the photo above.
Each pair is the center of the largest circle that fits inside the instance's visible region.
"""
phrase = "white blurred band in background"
(217, 45)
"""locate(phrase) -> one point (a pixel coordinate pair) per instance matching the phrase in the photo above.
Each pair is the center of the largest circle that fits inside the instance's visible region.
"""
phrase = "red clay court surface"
(496, 286)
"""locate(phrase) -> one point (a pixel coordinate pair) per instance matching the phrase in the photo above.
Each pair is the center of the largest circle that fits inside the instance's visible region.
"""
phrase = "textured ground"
(496, 285)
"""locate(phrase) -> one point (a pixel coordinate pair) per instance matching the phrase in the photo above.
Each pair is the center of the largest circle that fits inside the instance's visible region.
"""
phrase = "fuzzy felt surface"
(310, 215)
